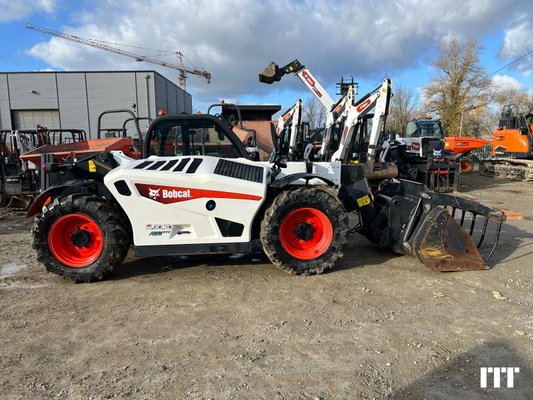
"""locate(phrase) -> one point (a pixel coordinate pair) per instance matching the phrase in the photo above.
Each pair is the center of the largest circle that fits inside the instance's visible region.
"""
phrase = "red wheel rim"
(75, 240)
(466, 166)
(306, 233)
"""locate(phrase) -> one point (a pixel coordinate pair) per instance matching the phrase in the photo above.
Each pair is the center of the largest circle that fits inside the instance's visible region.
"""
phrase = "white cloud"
(519, 41)
(503, 82)
(16, 10)
(235, 39)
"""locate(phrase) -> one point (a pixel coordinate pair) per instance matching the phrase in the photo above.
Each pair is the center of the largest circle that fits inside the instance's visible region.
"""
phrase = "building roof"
(147, 71)
(263, 112)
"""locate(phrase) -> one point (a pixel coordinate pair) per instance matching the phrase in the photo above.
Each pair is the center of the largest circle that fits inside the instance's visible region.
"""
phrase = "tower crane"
(137, 57)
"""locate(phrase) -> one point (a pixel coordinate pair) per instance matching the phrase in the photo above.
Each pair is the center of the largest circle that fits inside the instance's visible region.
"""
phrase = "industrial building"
(68, 100)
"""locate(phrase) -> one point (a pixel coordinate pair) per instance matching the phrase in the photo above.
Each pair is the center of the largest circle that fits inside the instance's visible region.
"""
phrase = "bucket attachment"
(443, 245)
(439, 229)
(270, 74)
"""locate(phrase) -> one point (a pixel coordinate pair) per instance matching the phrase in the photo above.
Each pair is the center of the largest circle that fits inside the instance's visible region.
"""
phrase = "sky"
(235, 39)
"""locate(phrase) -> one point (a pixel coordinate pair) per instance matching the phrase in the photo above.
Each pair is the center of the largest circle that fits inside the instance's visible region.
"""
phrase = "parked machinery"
(19, 179)
(421, 155)
(420, 158)
(512, 146)
(461, 147)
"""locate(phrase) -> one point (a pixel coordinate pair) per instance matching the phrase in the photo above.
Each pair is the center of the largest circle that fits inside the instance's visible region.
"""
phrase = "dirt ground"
(378, 326)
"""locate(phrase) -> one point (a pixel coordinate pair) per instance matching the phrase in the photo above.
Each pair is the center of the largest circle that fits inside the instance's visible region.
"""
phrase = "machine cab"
(424, 128)
(192, 134)
(424, 138)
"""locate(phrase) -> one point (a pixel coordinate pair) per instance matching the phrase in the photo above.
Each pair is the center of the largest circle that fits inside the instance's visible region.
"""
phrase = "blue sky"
(235, 39)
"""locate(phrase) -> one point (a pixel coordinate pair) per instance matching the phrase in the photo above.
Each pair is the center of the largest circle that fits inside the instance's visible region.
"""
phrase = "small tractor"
(213, 199)
(421, 155)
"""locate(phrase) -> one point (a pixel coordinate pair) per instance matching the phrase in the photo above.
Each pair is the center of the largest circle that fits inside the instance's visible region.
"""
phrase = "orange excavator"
(512, 146)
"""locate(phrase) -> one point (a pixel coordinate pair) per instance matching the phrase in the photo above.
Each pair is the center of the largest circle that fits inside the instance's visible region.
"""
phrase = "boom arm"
(293, 117)
(380, 99)
(272, 73)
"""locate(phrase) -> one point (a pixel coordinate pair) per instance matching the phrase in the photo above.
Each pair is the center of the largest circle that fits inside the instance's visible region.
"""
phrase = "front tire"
(305, 230)
(80, 237)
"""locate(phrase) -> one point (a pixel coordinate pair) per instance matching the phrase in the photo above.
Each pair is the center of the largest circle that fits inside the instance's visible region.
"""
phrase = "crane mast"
(93, 43)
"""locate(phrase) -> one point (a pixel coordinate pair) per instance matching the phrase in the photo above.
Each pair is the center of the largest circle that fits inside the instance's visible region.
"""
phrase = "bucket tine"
(498, 231)
(485, 224)
(472, 224)
(431, 226)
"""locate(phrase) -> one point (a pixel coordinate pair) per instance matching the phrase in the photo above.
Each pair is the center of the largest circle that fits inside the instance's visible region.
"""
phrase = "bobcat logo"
(437, 153)
(154, 193)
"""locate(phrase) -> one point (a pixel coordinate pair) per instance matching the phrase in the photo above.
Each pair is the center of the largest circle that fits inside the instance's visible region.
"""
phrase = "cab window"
(191, 137)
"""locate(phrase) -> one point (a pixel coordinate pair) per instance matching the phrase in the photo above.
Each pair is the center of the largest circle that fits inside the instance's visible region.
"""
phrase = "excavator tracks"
(510, 168)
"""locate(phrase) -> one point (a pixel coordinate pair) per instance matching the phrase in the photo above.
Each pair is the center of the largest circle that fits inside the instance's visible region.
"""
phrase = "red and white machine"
(197, 192)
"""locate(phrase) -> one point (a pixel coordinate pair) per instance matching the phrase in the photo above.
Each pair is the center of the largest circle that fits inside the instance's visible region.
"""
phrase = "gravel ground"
(378, 326)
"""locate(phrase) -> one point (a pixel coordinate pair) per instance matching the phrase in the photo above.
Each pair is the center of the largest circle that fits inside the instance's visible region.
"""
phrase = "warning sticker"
(363, 201)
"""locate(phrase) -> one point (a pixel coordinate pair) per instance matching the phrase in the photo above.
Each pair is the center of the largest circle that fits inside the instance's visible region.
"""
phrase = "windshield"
(424, 128)
(190, 136)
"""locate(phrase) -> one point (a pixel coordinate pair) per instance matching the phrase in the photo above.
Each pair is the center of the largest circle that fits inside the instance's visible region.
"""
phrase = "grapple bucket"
(443, 231)
(443, 245)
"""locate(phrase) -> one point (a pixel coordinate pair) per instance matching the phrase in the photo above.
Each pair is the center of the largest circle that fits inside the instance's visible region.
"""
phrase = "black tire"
(105, 253)
(320, 200)
(3, 196)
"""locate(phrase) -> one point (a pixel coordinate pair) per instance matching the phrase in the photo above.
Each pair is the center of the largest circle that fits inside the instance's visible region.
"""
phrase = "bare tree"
(521, 98)
(314, 112)
(403, 109)
(506, 95)
(460, 90)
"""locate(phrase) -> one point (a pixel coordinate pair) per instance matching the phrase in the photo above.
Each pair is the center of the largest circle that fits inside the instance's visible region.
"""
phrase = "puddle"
(12, 268)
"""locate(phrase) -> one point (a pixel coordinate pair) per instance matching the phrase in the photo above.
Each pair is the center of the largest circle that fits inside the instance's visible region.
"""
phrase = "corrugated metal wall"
(80, 97)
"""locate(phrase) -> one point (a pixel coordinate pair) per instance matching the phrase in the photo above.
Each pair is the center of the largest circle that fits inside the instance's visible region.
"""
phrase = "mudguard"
(70, 187)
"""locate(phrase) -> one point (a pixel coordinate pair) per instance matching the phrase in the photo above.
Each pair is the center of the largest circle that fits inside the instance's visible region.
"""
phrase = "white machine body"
(198, 199)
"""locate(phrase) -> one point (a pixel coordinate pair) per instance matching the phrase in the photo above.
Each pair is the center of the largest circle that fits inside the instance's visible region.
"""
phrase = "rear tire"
(80, 237)
(305, 230)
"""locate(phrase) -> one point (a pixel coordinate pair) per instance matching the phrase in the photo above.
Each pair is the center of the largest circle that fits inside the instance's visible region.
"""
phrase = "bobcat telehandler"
(197, 192)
